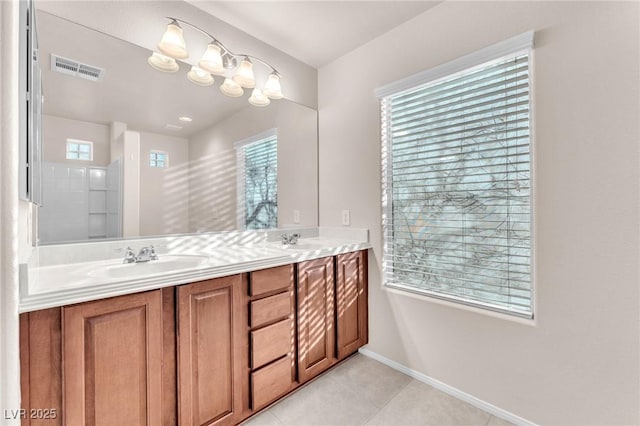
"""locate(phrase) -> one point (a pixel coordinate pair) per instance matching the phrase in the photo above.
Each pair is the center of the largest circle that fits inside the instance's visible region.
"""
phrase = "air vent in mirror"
(75, 68)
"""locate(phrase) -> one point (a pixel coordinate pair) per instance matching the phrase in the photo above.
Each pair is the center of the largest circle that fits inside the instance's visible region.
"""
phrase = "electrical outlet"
(296, 216)
(346, 217)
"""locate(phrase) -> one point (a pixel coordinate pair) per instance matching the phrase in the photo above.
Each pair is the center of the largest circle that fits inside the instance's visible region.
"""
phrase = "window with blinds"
(457, 187)
(258, 183)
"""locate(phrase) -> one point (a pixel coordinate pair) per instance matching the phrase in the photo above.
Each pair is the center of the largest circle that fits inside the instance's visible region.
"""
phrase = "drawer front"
(270, 382)
(270, 309)
(270, 343)
(271, 279)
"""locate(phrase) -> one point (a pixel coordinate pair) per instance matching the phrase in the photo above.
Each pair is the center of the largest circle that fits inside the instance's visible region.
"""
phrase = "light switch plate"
(346, 217)
(296, 216)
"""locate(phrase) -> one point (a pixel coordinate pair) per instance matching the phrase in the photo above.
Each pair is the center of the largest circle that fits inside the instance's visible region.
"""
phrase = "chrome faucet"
(129, 256)
(290, 239)
(144, 255)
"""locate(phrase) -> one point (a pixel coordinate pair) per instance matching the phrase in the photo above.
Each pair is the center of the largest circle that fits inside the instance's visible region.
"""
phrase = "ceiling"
(315, 32)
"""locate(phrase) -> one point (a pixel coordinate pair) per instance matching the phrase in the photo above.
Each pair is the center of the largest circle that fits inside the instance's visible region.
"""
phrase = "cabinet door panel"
(113, 361)
(209, 352)
(315, 317)
(351, 303)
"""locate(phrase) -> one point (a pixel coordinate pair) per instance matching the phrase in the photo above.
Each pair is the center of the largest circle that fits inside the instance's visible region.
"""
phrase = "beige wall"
(164, 193)
(212, 186)
(56, 131)
(578, 363)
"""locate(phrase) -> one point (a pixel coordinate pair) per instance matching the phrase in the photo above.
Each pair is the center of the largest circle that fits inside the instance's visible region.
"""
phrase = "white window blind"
(258, 182)
(457, 187)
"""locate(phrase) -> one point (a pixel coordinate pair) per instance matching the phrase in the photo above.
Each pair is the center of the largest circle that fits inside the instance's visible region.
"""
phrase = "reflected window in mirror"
(159, 159)
(79, 150)
(257, 165)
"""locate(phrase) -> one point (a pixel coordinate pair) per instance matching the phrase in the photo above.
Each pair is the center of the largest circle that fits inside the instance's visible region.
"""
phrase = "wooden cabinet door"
(351, 302)
(316, 333)
(113, 361)
(210, 352)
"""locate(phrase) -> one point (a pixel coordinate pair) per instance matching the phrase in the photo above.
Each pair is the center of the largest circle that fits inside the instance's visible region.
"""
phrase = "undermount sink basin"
(166, 263)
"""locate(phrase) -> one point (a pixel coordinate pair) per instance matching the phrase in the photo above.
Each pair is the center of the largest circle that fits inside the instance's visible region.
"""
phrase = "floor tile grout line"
(389, 401)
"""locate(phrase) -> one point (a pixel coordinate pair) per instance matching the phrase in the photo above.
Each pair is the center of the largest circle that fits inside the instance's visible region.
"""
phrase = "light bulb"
(231, 88)
(212, 60)
(199, 76)
(258, 98)
(163, 63)
(172, 43)
(272, 87)
(244, 74)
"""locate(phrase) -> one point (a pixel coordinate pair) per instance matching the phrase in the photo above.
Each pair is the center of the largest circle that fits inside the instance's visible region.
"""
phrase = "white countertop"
(67, 283)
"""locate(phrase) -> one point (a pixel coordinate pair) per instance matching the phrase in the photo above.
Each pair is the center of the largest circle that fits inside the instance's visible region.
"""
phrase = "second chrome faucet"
(144, 255)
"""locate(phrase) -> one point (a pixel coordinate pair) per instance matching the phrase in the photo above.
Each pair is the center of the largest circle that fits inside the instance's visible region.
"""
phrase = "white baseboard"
(456, 393)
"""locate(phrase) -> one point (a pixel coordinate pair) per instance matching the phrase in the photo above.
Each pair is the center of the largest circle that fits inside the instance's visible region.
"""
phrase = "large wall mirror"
(129, 151)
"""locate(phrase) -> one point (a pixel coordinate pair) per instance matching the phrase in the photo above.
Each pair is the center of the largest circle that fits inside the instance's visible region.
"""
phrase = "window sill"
(469, 308)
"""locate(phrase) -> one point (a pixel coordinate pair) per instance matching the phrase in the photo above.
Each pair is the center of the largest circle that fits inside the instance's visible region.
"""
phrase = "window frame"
(153, 160)
(240, 147)
(80, 143)
(514, 46)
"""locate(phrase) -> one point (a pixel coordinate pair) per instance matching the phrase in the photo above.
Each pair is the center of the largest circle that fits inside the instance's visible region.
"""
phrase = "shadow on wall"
(212, 193)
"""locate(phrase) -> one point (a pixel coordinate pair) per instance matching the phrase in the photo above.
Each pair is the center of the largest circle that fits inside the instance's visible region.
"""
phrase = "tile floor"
(362, 391)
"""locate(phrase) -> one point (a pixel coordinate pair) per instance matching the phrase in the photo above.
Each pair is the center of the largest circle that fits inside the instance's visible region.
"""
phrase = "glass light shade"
(231, 88)
(212, 60)
(199, 76)
(258, 98)
(163, 63)
(244, 74)
(272, 87)
(172, 43)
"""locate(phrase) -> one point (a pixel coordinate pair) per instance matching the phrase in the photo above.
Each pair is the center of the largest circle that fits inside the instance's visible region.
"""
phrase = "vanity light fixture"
(163, 63)
(236, 68)
(258, 98)
(199, 76)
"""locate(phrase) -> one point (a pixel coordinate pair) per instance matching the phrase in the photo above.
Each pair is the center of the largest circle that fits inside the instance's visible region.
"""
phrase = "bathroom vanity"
(210, 351)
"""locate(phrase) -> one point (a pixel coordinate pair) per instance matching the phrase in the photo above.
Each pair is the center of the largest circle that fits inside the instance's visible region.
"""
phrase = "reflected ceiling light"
(212, 60)
(244, 74)
(172, 42)
(199, 76)
(237, 68)
(163, 63)
(231, 88)
(258, 98)
(272, 87)
(185, 119)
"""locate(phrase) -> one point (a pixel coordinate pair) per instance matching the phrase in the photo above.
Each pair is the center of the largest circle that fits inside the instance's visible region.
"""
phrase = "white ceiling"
(315, 32)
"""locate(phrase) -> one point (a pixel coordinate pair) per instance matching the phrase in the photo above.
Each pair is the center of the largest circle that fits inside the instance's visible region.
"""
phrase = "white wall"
(130, 143)
(164, 193)
(56, 131)
(578, 363)
(212, 174)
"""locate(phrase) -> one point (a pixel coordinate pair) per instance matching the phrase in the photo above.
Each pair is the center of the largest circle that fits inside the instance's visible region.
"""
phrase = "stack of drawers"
(272, 334)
